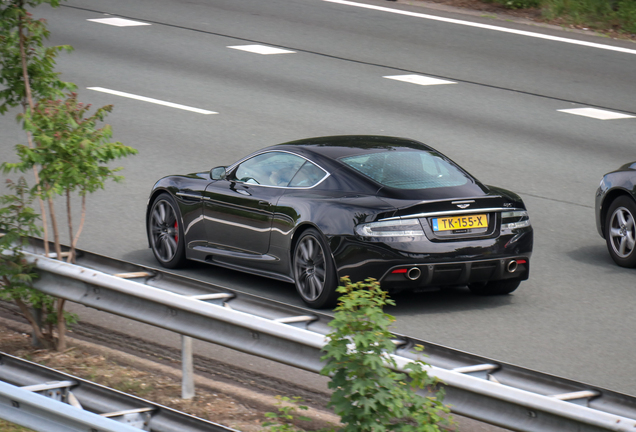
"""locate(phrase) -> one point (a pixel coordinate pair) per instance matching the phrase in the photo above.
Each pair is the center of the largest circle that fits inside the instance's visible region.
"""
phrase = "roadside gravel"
(224, 394)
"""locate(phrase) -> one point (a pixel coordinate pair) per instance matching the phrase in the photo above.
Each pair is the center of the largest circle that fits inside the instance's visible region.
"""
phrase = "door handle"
(264, 203)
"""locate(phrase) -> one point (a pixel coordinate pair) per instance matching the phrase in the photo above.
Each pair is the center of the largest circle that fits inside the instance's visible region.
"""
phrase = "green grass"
(5, 426)
(609, 15)
(618, 15)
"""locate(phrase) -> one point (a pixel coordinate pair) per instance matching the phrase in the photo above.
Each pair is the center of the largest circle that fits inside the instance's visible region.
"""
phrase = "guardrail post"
(187, 379)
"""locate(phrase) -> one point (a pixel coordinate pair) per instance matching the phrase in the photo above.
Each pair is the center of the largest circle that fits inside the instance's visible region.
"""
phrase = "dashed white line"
(118, 22)
(596, 113)
(419, 79)
(151, 100)
(484, 26)
(261, 49)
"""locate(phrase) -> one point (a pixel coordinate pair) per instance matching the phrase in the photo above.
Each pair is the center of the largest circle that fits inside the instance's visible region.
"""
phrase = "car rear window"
(408, 169)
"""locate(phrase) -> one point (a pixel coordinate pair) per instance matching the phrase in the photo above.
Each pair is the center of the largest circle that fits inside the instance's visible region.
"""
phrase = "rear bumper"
(439, 263)
(457, 273)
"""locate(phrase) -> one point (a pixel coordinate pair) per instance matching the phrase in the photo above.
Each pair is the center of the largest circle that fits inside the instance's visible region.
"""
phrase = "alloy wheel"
(164, 230)
(310, 268)
(622, 232)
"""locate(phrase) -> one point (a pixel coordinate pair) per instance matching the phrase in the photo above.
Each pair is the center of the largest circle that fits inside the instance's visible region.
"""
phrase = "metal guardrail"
(493, 392)
(47, 400)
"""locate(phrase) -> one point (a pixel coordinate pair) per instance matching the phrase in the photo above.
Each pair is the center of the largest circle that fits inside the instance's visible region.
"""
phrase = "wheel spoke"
(315, 287)
(320, 274)
(615, 232)
(629, 242)
(304, 252)
(172, 243)
(309, 244)
(156, 217)
(159, 247)
(304, 281)
(168, 247)
(301, 261)
(162, 212)
(171, 218)
(622, 245)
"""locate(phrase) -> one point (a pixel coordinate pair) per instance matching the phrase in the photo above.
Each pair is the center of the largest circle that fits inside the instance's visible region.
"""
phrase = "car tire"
(166, 232)
(314, 271)
(498, 287)
(620, 231)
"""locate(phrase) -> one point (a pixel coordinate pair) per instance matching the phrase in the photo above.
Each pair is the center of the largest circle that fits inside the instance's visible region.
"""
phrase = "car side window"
(307, 176)
(269, 169)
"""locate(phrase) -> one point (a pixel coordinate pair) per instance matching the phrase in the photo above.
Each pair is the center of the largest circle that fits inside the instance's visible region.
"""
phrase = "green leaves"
(368, 393)
(22, 35)
(72, 153)
(17, 223)
(283, 420)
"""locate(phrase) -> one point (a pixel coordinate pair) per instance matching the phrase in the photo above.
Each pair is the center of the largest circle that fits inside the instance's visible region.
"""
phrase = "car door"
(238, 210)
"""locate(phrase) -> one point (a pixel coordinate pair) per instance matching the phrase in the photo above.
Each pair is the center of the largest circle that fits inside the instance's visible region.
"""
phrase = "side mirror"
(218, 173)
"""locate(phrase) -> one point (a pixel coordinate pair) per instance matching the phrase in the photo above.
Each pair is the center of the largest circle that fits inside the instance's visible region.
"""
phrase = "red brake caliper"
(176, 232)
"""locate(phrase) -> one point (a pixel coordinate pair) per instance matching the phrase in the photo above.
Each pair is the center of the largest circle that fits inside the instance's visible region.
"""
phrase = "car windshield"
(408, 169)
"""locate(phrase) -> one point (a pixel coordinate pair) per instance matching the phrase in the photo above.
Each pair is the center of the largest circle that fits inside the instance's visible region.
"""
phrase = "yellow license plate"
(460, 222)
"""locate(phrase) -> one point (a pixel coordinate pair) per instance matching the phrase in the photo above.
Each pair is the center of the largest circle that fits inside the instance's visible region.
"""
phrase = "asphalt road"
(499, 118)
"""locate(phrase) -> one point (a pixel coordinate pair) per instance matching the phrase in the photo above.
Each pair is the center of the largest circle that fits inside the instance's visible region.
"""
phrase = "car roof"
(328, 151)
(336, 147)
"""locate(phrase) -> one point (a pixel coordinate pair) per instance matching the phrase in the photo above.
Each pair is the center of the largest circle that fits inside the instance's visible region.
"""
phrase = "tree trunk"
(23, 57)
(71, 257)
(34, 324)
(69, 218)
(45, 225)
(56, 235)
(29, 99)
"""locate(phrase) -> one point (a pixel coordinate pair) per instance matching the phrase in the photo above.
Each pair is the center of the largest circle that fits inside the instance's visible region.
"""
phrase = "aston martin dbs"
(311, 211)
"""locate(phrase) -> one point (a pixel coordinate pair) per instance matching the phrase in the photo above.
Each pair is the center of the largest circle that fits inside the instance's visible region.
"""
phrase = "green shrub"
(626, 14)
(619, 15)
(283, 420)
(368, 393)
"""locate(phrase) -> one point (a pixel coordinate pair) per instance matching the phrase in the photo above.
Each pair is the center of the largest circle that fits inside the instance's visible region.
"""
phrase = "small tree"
(17, 224)
(369, 394)
(65, 150)
(27, 66)
(73, 156)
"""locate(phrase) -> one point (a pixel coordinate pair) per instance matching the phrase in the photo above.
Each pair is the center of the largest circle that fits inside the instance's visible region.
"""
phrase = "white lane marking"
(261, 49)
(596, 113)
(419, 79)
(485, 26)
(118, 22)
(151, 100)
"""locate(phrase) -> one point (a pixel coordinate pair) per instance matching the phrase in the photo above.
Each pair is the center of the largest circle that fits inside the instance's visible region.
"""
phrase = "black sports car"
(314, 210)
(615, 211)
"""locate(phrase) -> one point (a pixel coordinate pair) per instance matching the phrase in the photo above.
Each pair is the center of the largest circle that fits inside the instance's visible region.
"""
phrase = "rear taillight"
(514, 219)
(392, 228)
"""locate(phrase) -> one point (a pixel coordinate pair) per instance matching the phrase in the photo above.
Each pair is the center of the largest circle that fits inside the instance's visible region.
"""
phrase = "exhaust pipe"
(512, 266)
(414, 273)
